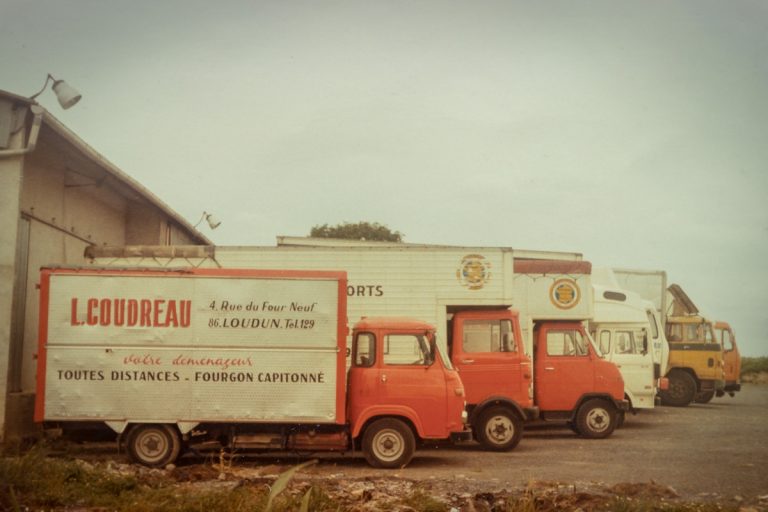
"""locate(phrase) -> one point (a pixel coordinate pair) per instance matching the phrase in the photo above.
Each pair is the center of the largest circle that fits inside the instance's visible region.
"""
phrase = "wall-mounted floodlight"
(66, 94)
(212, 221)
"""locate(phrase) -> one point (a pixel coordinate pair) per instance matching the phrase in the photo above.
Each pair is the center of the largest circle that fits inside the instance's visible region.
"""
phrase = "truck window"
(605, 342)
(692, 332)
(405, 349)
(566, 343)
(674, 332)
(708, 335)
(489, 336)
(364, 349)
(725, 339)
(625, 343)
(654, 327)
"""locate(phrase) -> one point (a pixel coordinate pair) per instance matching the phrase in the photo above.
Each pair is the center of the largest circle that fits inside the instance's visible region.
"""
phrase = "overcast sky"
(633, 132)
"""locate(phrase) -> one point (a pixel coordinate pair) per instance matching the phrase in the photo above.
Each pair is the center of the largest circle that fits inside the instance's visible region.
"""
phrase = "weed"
(423, 502)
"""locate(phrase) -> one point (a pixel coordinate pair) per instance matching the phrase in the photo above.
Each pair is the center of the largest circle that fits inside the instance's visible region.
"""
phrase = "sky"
(635, 133)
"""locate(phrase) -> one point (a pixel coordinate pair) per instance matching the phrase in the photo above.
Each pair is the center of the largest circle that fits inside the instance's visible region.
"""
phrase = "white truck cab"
(627, 332)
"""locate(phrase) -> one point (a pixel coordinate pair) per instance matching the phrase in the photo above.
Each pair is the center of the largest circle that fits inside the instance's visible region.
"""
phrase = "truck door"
(731, 356)
(410, 376)
(634, 360)
(487, 352)
(563, 367)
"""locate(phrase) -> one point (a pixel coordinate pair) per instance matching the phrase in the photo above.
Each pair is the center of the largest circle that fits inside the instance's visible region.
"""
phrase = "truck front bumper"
(464, 435)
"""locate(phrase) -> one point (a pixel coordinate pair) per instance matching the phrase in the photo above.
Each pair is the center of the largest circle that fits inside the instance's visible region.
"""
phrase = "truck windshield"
(444, 356)
(595, 349)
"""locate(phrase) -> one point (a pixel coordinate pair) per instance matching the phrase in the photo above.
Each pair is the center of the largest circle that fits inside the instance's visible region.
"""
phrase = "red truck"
(568, 380)
(253, 359)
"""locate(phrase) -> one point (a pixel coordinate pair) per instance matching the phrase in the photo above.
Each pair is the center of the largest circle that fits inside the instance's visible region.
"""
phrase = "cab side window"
(654, 327)
(674, 332)
(625, 343)
(489, 336)
(364, 350)
(566, 343)
(725, 340)
(406, 349)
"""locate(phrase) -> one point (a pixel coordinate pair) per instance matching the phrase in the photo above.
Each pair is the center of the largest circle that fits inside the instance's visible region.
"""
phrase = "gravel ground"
(716, 452)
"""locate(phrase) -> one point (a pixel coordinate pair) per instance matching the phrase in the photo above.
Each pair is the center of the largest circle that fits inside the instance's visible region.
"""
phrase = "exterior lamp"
(212, 221)
(65, 93)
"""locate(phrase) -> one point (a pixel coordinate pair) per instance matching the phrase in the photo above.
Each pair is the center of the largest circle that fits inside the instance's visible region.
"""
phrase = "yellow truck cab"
(695, 361)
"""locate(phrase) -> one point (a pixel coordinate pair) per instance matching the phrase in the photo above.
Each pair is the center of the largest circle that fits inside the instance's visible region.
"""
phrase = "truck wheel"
(154, 445)
(388, 443)
(704, 397)
(498, 429)
(682, 390)
(596, 419)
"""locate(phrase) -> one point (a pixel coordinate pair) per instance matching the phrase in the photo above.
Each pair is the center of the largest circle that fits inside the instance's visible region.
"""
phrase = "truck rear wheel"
(682, 390)
(705, 397)
(498, 429)
(388, 443)
(596, 419)
(154, 445)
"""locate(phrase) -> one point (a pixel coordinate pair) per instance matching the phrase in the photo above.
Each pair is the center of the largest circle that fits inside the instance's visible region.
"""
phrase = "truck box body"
(122, 344)
(425, 282)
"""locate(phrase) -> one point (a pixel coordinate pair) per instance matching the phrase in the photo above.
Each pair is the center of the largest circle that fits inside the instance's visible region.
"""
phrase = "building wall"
(10, 183)
(55, 203)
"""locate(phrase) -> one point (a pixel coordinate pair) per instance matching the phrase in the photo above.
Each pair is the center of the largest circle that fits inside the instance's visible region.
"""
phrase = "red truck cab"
(401, 390)
(574, 383)
(486, 347)
(568, 381)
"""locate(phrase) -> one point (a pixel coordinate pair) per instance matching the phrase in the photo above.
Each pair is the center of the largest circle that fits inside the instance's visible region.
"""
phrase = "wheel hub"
(500, 429)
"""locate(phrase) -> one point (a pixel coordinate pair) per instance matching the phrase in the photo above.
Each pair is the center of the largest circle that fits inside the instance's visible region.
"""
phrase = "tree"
(357, 231)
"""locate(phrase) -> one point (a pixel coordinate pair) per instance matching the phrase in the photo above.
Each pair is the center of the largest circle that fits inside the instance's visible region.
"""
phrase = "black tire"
(154, 445)
(705, 397)
(682, 390)
(388, 443)
(498, 429)
(596, 419)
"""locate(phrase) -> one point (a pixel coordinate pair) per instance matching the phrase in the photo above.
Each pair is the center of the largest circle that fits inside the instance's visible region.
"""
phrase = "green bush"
(751, 365)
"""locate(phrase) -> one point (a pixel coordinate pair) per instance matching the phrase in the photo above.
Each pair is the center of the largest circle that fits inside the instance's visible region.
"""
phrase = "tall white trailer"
(423, 281)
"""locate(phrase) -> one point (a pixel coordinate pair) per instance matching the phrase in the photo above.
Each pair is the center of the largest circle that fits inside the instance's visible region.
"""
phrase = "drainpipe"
(38, 112)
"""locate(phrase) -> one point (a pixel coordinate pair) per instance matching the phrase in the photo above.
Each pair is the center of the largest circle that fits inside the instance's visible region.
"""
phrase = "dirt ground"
(716, 452)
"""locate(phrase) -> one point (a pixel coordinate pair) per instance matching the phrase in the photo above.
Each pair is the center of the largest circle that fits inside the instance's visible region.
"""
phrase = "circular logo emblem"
(564, 293)
(474, 271)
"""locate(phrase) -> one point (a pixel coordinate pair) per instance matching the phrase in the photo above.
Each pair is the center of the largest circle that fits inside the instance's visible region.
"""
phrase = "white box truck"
(253, 359)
